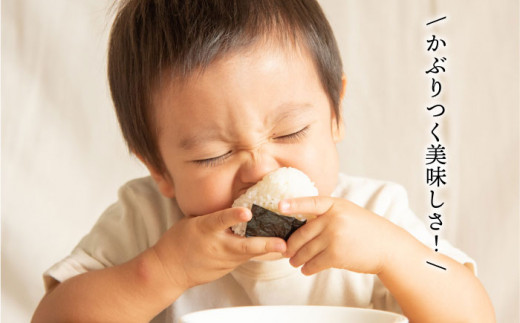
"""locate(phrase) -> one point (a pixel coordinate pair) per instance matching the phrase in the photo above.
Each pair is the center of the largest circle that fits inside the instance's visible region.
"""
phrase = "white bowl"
(292, 314)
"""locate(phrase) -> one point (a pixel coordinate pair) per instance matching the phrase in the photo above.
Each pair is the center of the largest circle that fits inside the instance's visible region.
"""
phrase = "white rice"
(285, 182)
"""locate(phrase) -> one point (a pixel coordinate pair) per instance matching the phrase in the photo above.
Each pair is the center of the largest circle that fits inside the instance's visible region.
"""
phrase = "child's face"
(246, 115)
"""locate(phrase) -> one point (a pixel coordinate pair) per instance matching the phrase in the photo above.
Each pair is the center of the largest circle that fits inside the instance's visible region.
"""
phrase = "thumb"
(222, 220)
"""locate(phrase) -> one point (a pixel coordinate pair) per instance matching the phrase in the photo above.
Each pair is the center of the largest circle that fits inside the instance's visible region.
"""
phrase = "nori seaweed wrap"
(266, 223)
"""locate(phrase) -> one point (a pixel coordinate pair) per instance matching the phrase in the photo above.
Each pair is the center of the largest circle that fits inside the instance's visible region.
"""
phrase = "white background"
(63, 158)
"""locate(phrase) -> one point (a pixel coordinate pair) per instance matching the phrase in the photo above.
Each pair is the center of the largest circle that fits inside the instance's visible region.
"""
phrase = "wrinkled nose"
(256, 165)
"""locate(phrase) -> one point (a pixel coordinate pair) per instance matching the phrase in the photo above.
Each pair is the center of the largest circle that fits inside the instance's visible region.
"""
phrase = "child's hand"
(201, 249)
(343, 235)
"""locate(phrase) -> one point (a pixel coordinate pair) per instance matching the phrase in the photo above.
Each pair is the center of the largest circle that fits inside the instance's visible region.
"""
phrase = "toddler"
(211, 95)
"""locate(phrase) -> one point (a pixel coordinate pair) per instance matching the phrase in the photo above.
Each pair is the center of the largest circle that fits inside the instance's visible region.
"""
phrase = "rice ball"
(283, 183)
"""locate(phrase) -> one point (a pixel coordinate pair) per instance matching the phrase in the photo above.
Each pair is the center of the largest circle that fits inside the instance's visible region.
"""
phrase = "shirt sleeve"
(128, 227)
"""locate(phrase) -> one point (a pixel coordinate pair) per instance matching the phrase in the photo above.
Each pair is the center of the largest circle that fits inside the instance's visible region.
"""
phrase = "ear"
(163, 180)
(338, 128)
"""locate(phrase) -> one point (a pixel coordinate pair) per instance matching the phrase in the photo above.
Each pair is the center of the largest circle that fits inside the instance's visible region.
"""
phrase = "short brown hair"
(149, 37)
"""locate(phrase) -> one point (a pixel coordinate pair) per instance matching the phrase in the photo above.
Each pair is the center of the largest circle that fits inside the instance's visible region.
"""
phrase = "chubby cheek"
(204, 195)
(321, 165)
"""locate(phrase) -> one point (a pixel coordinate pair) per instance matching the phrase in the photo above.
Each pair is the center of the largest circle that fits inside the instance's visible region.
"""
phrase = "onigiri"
(283, 183)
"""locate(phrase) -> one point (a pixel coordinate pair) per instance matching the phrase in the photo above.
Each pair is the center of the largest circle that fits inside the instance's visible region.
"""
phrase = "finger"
(306, 205)
(308, 251)
(320, 262)
(254, 246)
(302, 236)
(224, 219)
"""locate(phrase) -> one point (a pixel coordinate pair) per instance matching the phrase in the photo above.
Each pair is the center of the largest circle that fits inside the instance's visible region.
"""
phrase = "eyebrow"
(289, 110)
(192, 141)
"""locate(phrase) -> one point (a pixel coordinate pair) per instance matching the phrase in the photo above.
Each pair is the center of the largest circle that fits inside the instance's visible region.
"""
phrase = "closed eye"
(214, 161)
(295, 136)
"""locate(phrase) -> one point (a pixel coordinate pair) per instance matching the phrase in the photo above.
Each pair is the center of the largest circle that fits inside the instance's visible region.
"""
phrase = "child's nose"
(256, 166)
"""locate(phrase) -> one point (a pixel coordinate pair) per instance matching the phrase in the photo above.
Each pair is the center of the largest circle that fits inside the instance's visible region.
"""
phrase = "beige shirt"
(141, 215)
